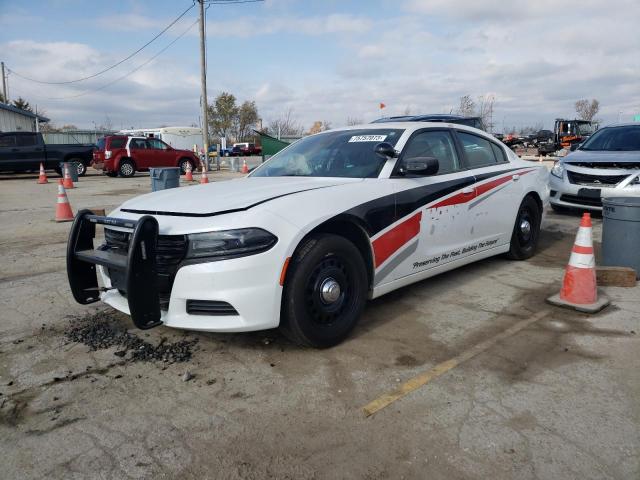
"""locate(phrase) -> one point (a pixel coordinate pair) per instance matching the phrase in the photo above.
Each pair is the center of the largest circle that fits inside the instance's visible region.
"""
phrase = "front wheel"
(526, 231)
(183, 165)
(325, 291)
(82, 168)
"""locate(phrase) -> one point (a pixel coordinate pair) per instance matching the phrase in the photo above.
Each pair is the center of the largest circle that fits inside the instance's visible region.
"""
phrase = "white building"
(13, 119)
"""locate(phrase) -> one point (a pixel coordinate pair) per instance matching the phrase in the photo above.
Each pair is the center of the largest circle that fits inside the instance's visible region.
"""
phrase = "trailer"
(182, 138)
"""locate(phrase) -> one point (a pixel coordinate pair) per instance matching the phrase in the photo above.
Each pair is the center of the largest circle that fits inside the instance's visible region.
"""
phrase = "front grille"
(210, 307)
(593, 180)
(593, 202)
(609, 165)
(170, 251)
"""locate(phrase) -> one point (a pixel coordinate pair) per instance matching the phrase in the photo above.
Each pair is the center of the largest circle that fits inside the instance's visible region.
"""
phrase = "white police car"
(305, 239)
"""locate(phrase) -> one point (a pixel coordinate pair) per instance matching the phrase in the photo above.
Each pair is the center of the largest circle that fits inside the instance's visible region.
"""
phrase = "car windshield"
(617, 139)
(346, 153)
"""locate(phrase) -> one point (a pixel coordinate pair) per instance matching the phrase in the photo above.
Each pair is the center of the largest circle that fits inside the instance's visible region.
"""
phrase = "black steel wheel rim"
(524, 227)
(330, 270)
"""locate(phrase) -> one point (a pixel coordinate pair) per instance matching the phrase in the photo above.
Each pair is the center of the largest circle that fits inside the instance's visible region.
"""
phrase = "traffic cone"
(43, 176)
(63, 209)
(188, 175)
(245, 169)
(579, 289)
(204, 178)
(67, 182)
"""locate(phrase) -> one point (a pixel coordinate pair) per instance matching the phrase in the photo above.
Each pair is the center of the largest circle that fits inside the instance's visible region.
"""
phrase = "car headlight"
(244, 241)
(558, 169)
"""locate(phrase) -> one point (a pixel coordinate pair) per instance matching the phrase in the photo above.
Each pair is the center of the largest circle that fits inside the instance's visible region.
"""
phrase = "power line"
(115, 64)
(128, 73)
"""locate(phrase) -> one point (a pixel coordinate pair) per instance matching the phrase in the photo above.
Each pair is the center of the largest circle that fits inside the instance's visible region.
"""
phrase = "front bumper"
(588, 194)
(231, 295)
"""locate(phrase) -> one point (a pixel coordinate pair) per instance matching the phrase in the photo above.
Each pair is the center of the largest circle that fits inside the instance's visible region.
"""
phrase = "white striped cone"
(579, 283)
(42, 178)
(67, 182)
(63, 208)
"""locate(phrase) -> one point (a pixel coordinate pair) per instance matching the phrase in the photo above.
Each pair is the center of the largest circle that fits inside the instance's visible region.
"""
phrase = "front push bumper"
(247, 287)
(135, 270)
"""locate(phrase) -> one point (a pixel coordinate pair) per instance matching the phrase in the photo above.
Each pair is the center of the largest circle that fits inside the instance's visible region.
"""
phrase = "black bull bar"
(133, 272)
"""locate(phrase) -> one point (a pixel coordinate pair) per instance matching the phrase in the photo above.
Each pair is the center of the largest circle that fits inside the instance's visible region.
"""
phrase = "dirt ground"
(84, 395)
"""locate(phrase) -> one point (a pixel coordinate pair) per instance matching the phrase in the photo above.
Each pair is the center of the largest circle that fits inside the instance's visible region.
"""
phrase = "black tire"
(309, 317)
(126, 168)
(526, 231)
(183, 165)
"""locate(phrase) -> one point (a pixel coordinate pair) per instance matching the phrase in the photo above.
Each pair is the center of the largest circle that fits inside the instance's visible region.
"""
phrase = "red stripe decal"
(455, 200)
(485, 187)
(390, 242)
(581, 249)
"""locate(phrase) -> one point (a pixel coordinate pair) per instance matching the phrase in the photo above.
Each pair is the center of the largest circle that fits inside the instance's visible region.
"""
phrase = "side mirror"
(385, 149)
(574, 147)
(423, 166)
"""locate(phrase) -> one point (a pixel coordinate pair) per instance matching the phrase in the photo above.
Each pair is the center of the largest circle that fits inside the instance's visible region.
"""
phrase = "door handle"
(468, 191)
(516, 177)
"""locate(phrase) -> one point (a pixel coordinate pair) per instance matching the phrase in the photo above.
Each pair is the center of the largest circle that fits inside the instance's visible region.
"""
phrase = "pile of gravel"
(102, 331)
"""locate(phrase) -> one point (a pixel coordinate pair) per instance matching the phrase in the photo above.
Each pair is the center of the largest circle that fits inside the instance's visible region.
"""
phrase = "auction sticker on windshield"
(367, 138)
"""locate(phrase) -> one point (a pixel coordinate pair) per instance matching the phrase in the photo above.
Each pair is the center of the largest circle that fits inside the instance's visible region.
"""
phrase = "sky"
(327, 60)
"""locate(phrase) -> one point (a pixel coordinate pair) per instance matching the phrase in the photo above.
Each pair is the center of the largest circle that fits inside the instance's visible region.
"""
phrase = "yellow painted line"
(442, 368)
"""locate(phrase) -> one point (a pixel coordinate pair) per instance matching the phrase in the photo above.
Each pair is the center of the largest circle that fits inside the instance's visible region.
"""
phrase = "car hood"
(583, 156)
(217, 198)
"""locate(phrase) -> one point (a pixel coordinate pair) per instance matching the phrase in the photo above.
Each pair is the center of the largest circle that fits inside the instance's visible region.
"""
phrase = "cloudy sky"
(325, 60)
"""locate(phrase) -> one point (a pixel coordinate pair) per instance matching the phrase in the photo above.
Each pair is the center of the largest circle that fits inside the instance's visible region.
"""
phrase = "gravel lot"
(84, 395)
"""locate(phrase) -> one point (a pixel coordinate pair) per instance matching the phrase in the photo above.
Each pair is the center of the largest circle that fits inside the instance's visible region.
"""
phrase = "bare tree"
(285, 125)
(246, 120)
(354, 121)
(485, 111)
(467, 107)
(587, 110)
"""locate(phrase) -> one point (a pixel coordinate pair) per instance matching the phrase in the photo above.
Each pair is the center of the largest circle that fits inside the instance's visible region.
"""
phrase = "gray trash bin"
(73, 169)
(163, 178)
(621, 232)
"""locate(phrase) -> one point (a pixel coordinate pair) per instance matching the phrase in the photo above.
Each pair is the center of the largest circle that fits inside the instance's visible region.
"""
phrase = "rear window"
(100, 143)
(26, 140)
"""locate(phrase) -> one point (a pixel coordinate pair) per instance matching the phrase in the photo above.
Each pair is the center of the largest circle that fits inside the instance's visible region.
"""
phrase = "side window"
(8, 141)
(499, 153)
(479, 152)
(138, 144)
(437, 144)
(26, 140)
(117, 142)
(156, 144)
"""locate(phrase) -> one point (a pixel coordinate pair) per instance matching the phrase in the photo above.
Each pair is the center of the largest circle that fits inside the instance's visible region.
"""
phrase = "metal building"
(13, 119)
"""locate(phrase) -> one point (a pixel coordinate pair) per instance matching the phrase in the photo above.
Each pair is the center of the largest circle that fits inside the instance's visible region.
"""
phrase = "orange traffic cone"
(43, 176)
(204, 178)
(67, 182)
(245, 169)
(63, 209)
(579, 289)
(188, 175)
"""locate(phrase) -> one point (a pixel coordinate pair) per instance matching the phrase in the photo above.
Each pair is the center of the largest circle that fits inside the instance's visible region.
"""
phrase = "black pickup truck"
(24, 151)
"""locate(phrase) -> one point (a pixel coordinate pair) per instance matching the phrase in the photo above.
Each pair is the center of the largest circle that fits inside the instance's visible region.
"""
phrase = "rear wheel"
(526, 230)
(82, 168)
(325, 291)
(126, 168)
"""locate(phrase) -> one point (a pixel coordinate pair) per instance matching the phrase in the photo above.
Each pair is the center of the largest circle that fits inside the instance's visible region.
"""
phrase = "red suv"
(122, 155)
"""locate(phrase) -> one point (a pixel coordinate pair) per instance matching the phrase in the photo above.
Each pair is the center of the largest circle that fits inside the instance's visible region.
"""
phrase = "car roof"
(411, 126)
(433, 117)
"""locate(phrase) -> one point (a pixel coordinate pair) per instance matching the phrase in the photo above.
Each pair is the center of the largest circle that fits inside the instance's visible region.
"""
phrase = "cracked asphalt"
(558, 400)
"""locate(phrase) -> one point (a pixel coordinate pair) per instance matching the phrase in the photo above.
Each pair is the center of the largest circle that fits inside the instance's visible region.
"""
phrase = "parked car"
(24, 151)
(605, 165)
(247, 149)
(309, 235)
(475, 122)
(122, 155)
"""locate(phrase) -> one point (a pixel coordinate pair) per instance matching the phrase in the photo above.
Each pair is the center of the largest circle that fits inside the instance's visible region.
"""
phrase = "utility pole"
(203, 82)
(4, 84)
